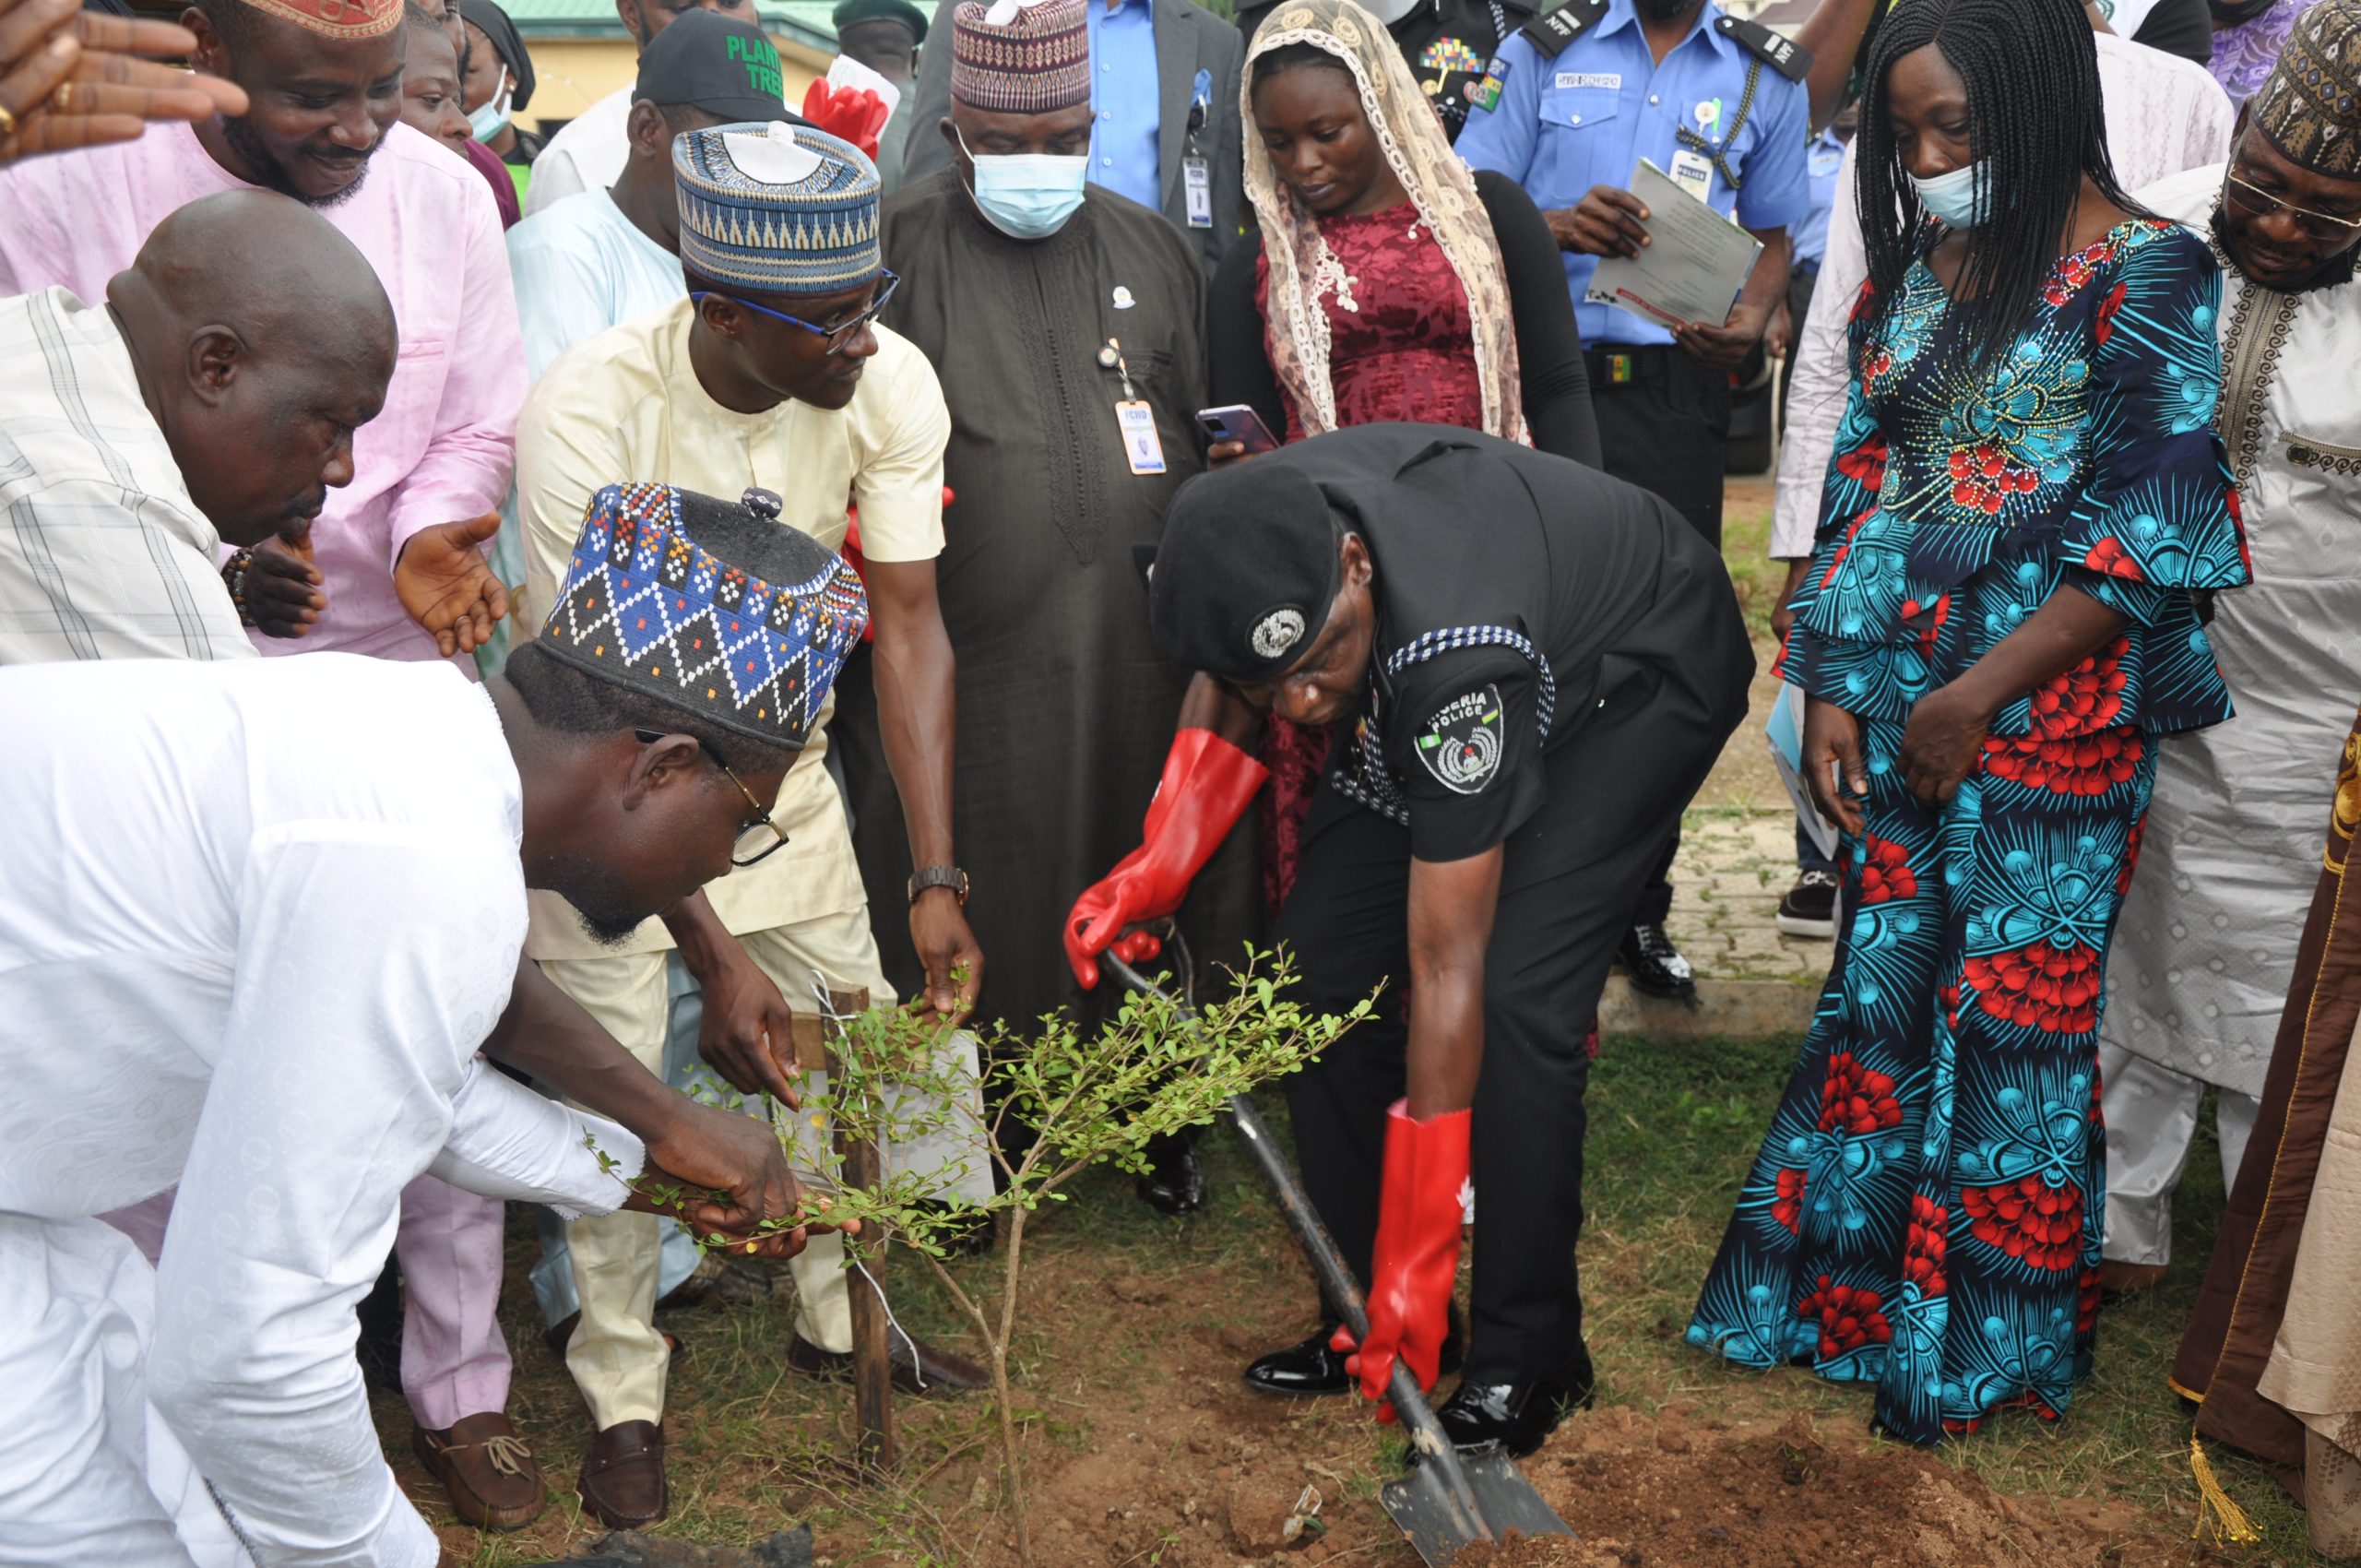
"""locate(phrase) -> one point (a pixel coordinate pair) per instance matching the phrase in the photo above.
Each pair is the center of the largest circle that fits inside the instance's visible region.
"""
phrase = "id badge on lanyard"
(1196, 177)
(1134, 418)
(1197, 174)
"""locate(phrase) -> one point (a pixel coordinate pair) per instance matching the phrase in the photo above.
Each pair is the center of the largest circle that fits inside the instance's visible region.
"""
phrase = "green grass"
(1117, 1297)
(1672, 1129)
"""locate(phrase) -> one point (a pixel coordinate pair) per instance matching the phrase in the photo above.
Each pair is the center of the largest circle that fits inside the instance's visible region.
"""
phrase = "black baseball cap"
(1246, 571)
(725, 67)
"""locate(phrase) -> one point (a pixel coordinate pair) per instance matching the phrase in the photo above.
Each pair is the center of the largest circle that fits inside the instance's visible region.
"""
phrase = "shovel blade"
(1428, 1511)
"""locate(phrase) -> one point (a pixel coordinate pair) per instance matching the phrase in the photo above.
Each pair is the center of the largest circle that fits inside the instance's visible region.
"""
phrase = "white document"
(1786, 733)
(1691, 268)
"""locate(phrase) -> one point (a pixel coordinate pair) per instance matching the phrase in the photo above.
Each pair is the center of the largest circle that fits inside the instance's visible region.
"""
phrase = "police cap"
(1246, 571)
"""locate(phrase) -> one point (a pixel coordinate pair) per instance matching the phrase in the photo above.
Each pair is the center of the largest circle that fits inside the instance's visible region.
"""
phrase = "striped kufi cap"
(777, 208)
(1020, 56)
(2310, 104)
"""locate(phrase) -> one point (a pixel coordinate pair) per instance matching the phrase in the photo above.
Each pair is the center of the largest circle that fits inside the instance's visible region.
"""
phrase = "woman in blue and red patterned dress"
(1385, 283)
(1996, 626)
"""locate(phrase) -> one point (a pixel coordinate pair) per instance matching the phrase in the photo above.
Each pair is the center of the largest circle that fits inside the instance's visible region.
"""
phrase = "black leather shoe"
(1173, 1185)
(1310, 1367)
(1655, 965)
(1516, 1417)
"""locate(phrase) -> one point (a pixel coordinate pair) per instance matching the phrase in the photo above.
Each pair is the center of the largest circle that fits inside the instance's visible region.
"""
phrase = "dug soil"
(1144, 1450)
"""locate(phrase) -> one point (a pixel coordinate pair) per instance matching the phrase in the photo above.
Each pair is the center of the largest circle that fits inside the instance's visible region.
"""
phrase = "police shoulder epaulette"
(1782, 54)
(1552, 31)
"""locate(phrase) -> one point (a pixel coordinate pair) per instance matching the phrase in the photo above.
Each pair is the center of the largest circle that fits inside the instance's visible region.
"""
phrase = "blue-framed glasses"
(837, 336)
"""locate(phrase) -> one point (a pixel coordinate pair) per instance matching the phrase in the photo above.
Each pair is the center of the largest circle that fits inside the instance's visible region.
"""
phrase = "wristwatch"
(939, 876)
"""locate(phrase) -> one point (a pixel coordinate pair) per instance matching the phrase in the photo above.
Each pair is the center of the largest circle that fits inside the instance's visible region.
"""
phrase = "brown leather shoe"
(494, 1481)
(932, 1371)
(623, 1476)
(2130, 1278)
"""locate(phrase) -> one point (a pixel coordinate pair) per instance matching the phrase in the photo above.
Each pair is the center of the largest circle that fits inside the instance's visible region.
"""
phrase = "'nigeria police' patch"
(1460, 742)
(1277, 631)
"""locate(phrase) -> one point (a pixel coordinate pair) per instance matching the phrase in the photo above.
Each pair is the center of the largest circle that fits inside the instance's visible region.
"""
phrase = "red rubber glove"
(855, 113)
(1417, 1252)
(1207, 785)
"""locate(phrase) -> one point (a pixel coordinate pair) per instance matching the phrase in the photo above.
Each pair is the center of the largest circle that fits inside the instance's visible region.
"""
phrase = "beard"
(608, 912)
(2336, 270)
(1663, 10)
(271, 174)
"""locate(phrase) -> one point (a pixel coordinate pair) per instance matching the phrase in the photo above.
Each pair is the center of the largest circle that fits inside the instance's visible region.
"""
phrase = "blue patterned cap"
(777, 208)
(713, 607)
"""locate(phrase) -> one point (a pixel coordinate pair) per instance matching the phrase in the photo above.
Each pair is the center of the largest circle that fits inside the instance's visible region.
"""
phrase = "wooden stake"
(872, 1371)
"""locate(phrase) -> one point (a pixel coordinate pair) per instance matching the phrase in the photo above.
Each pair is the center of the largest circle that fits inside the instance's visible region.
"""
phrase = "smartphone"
(1236, 422)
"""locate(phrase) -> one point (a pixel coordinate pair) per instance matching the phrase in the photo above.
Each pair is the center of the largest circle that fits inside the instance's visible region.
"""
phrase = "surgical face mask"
(1027, 195)
(1962, 199)
(1391, 11)
(484, 122)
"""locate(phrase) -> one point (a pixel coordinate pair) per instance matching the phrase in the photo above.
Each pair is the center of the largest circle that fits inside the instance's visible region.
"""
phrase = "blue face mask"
(1029, 195)
(1962, 199)
(484, 123)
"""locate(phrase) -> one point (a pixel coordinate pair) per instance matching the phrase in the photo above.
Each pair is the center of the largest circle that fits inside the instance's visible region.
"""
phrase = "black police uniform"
(1558, 659)
(1447, 42)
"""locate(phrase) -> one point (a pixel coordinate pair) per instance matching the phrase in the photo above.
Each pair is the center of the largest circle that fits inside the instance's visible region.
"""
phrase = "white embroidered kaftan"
(2206, 941)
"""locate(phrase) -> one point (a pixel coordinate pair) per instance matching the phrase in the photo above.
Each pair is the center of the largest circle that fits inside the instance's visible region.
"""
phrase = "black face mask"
(2230, 12)
(2337, 270)
(1662, 10)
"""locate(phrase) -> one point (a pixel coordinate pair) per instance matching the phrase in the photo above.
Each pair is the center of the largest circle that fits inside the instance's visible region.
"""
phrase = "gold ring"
(63, 99)
(8, 121)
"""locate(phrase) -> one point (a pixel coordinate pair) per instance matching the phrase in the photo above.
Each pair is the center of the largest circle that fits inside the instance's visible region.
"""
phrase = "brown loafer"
(623, 1476)
(494, 1481)
(930, 1371)
(2130, 1278)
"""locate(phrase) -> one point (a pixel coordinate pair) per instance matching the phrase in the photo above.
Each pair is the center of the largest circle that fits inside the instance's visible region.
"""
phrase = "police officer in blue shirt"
(1571, 103)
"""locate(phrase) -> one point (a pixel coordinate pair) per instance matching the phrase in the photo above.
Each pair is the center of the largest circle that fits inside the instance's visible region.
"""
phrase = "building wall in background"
(574, 73)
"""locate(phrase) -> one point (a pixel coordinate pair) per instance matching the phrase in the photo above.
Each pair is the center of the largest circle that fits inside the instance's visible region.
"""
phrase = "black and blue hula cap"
(713, 607)
(1246, 572)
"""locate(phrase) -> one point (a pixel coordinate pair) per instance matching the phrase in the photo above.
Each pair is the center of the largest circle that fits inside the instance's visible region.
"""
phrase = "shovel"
(1449, 1500)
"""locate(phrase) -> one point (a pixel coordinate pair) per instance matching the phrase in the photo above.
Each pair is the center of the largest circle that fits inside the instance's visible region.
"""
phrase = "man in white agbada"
(256, 921)
(2206, 941)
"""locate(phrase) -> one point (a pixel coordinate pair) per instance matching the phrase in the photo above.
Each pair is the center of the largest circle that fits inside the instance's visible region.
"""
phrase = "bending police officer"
(1539, 664)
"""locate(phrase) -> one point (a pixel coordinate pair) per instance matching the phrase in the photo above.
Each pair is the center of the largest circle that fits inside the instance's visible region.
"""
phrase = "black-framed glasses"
(760, 836)
(837, 336)
(2253, 201)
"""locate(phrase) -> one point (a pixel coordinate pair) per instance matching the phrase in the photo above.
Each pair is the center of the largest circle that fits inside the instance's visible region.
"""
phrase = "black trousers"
(1665, 426)
(1616, 794)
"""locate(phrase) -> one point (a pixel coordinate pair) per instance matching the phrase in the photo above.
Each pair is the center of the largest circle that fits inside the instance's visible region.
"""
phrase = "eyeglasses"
(837, 336)
(2255, 202)
(761, 835)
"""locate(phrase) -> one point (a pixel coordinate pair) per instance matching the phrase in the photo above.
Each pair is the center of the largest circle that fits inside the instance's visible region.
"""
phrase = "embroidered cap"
(713, 607)
(1020, 56)
(776, 208)
(1246, 571)
(335, 18)
(2310, 104)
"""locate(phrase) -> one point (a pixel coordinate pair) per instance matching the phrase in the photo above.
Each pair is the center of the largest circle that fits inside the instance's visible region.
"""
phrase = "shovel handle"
(1432, 1444)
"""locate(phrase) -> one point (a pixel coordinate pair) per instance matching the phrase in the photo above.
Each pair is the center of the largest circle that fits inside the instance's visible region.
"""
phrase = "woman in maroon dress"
(1386, 283)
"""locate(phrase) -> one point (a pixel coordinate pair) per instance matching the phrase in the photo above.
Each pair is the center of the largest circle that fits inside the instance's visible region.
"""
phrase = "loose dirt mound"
(1681, 1490)
(1639, 1492)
